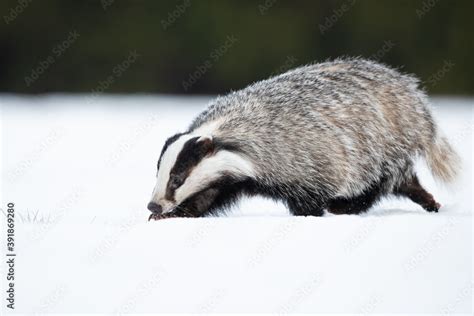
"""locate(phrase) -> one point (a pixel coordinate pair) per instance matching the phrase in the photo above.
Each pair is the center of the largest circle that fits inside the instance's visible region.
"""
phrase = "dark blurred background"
(208, 47)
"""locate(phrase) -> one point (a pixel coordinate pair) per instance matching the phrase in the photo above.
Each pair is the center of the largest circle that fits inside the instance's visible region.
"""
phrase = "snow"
(81, 170)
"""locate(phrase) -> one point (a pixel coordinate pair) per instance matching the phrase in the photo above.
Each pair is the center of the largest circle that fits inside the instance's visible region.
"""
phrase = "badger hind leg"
(412, 189)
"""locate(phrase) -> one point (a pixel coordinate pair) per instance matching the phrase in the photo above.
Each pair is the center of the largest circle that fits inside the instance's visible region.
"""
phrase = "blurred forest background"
(208, 47)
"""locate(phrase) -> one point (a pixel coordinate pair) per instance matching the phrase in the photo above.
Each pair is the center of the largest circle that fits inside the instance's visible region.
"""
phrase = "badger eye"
(176, 182)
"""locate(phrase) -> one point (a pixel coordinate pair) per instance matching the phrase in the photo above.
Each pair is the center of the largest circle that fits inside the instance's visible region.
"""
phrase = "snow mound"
(81, 174)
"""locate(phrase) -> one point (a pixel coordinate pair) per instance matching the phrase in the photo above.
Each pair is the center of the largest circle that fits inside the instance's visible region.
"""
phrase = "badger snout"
(155, 208)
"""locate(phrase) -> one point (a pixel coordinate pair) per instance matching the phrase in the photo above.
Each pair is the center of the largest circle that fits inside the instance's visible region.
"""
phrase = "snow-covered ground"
(80, 171)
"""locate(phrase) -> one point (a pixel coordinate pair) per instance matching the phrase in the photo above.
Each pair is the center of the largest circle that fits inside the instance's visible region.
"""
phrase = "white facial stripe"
(169, 157)
(167, 162)
(210, 169)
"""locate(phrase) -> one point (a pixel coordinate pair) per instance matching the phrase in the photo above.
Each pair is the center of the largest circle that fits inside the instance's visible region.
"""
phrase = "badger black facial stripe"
(206, 167)
(193, 151)
(168, 142)
(166, 163)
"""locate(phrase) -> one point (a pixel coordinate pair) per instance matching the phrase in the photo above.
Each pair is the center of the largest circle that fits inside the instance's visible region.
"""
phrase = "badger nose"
(155, 208)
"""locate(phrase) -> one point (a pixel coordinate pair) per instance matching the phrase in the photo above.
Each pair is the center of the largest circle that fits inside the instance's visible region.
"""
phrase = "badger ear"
(204, 138)
(205, 144)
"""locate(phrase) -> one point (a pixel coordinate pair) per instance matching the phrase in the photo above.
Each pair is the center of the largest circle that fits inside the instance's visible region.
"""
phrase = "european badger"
(336, 135)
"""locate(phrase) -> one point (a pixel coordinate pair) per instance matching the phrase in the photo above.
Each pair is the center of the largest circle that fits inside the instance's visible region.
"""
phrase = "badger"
(335, 136)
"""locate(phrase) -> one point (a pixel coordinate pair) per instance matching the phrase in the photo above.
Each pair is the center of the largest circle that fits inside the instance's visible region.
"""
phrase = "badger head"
(191, 164)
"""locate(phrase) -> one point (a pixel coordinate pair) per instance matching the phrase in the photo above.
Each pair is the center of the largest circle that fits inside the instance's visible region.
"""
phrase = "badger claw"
(157, 217)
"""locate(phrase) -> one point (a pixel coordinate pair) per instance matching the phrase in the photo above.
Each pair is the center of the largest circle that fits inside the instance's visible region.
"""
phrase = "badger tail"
(442, 160)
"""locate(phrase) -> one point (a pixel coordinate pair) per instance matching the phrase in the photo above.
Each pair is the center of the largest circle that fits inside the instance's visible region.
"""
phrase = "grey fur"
(336, 135)
(335, 128)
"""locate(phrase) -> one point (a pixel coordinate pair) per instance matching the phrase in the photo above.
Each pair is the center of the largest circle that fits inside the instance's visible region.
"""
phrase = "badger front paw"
(176, 212)
(156, 217)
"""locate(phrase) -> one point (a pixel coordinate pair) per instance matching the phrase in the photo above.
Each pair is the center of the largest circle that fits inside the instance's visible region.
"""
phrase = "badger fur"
(337, 135)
